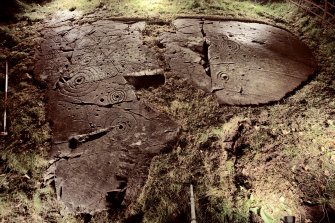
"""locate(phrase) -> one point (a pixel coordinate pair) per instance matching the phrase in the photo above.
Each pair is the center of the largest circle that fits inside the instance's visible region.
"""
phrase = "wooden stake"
(324, 18)
(4, 133)
(193, 218)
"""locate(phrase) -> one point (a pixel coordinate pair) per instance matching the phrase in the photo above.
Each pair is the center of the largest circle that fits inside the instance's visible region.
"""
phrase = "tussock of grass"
(165, 197)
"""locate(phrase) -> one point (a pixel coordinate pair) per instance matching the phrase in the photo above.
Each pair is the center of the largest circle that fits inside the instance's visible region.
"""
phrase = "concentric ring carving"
(80, 83)
(222, 75)
(117, 96)
(223, 43)
(123, 125)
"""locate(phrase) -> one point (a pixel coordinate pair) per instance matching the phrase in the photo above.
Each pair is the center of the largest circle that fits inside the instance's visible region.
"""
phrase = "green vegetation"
(283, 156)
(165, 9)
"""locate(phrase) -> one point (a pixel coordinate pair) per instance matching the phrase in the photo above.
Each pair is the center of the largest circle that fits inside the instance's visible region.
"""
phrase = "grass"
(164, 9)
(23, 153)
(37, 12)
(211, 173)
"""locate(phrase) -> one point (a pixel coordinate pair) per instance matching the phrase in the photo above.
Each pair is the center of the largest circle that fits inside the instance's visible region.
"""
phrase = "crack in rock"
(245, 63)
(205, 47)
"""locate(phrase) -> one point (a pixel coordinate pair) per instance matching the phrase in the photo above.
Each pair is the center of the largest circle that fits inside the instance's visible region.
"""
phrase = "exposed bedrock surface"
(103, 137)
(241, 63)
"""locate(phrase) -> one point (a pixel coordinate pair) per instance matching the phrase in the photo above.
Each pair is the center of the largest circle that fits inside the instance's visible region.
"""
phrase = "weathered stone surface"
(103, 137)
(248, 63)
(184, 51)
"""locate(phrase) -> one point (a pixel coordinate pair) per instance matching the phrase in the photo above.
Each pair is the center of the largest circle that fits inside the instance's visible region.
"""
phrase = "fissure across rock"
(249, 63)
(205, 47)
